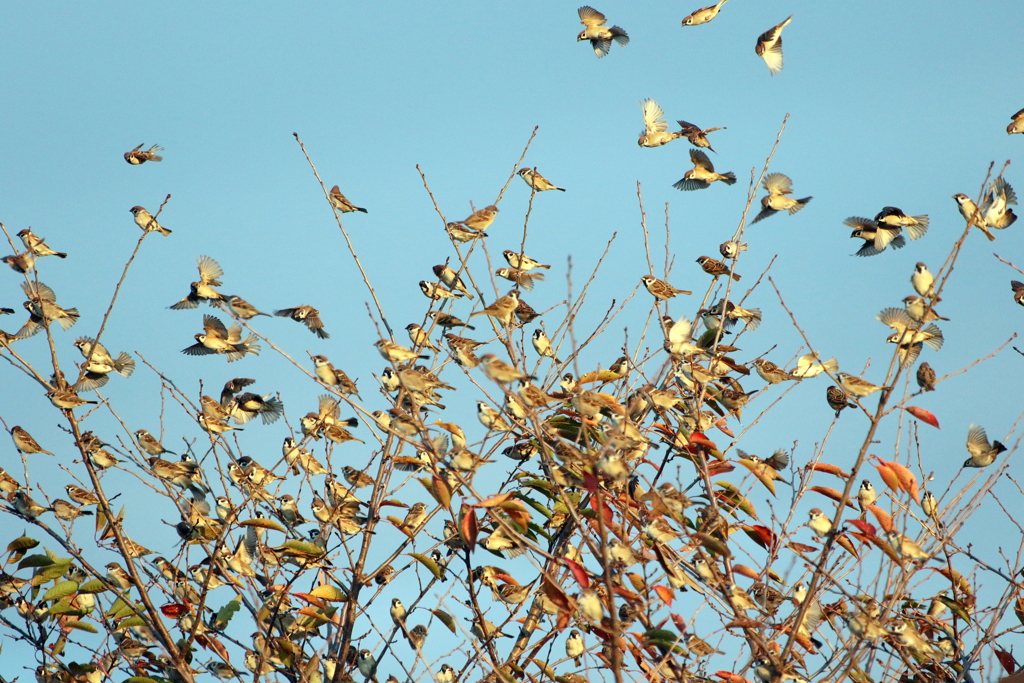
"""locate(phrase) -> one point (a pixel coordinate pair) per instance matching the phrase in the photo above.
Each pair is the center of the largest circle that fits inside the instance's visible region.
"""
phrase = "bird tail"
(800, 203)
(728, 178)
(124, 364)
(620, 36)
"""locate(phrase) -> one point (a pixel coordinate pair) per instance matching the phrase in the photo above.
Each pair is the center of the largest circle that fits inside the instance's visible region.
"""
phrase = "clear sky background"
(899, 104)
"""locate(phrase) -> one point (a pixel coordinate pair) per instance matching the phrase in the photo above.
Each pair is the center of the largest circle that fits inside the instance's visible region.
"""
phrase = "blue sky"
(897, 104)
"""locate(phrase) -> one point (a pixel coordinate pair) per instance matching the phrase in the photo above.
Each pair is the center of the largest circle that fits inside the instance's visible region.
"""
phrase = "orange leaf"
(665, 593)
(828, 469)
(907, 480)
(923, 415)
(555, 593)
(494, 501)
(679, 622)
(730, 677)
(601, 508)
(701, 440)
(957, 579)
(883, 517)
(441, 491)
(801, 547)
(578, 571)
(890, 478)
(884, 546)
(831, 493)
(469, 528)
(716, 468)
(744, 570)
(311, 599)
(866, 527)
(723, 427)
(843, 541)
(638, 581)
(173, 610)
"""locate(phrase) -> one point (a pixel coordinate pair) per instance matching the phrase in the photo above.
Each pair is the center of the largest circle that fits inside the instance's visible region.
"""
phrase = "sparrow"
(417, 636)
(19, 263)
(679, 338)
(223, 670)
(461, 233)
(67, 400)
(925, 377)
(767, 672)
(767, 597)
(491, 418)
(599, 35)
(145, 221)
(397, 612)
(140, 156)
(876, 237)
(448, 321)
(982, 452)
(81, 496)
(702, 174)
(481, 220)
(308, 316)
(240, 308)
(248, 405)
(542, 345)
(99, 361)
(520, 278)
(994, 207)
(522, 261)
(450, 279)
(289, 511)
(42, 308)
(485, 630)
(567, 383)
(1016, 123)
(436, 292)
(855, 386)
(731, 312)
(659, 289)
(655, 132)
(37, 245)
(700, 647)
(769, 46)
(502, 309)
(8, 484)
(910, 638)
(535, 180)
(866, 495)
(415, 518)
(117, 576)
(906, 330)
(203, 290)
(779, 188)
(739, 598)
(916, 226)
(182, 474)
(715, 268)
(25, 506)
(396, 353)
(339, 202)
(770, 372)
(904, 547)
(930, 506)
(916, 309)
(923, 281)
(731, 249)
(819, 523)
(357, 479)
(148, 443)
(24, 443)
(68, 512)
(1018, 291)
(525, 313)
(446, 674)
(703, 15)
(420, 338)
(216, 338)
(500, 371)
(698, 137)
(590, 605)
(809, 365)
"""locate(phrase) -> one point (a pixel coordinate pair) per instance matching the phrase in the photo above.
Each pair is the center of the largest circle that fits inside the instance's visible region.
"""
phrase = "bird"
(995, 209)
(332, 376)
(417, 636)
(769, 46)
(770, 372)
(419, 337)
(697, 136)
(446, 674)
(542, 345)
(819, 523)
(148, 443)
(502, 309)
(481, 220)
(779, 188)
(729, 313)
(19, 263)
(923, 281)
(655, 132)
(43, 309)
(918, 311)
(240, 308)
(930, 506)
(68, 512)
(910, 638)
(203, 290)
(26, 506)
(660, 289)
(339, 202)
(535, 180)
(415, 518)
(463, 350)
(876, 237)
(25, 443)
(715, 268)
(866, 494)
(904, 547)
(140, 156)
(1016, 123)
(1018, 291)
(982, 452)
(702, 174)
(461, 233)
(703, 15)
(308, 316)
(288, 510)
(99, 363)
(500, 371)
(8, 484)
(451, 280)
(491, 418)
(907, 332)
(855, 386)
(925, 377)
(148, 223)
(522, 261)
(700, 647)
(599, 35)
(81, 496)
(396, 353)
(448, 321)
(366, 663)
(436, 292)
(37, 245)
(916, 226)
(519, 277)
(217, 339)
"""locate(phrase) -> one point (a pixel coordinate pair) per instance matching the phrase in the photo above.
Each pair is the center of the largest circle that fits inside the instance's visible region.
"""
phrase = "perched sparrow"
(910, 638)
(42, 309)
(148, 443)
(140, 156)
(68, 511)
(81, 496)
(731, 249)
(876, 237)
(925, 377)
(491, 418)
(536, 180)
(916, 226)
(766, 596)
(8, 484)
(1018, 291)
(24, 443)
(448, 321)
(819, 523)
(420, 338)
(117, 576)
(715, 268)
(904, 547)
(366, 663)
(145, 221)
(599, 35)
(739, 598)
(436, 292)
(417, 636)
(308, 316)
(339, 202)
(500, 371)
(461, 233)
(730, 312)
(396, 353)
(519, 277)
(223, 670)
(770, 372)
(923, 281)
(699, 647)
(703, 15)
(522, 261)
(67, 400)
(655, 132)
(866, 494)
(702, 174)
(855, 386)
(930, 506)
(525, 313)
(542, 345)
(969, 210)
(485, 630)
(37, 245)
(502, 309)
(451, 280)
(24, 504)
(203, 290)
(919, 312)
(481, 220)
(397, 612)
(982, 452)
(567, 383)
(779, 188)
(216, 338)
(240, 308)
(767, 672)
(769, 46)
(1016, 123)
(659, 289)
(288, 510)
(415, 517)
(446, 674)
(332, 376)
(590, 605)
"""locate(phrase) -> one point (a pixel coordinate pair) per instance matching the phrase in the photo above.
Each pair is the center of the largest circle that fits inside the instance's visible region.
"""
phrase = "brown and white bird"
(925, 377)
(520, 278)
(450, 279)
(543, 346)
(436, 292)
(149, 444)
(42, 309)
(218, 339)
(522, 261)
(140, 156)
(731, 249)
(503, 309)
(923, 281)
(703, 15)
(308, 316)
(37, 245)
(819, 523)
(463, 350)
(203, 289)
(995, 206)
(769, 46)
(481, 219)
(538, 182)
(697, 136)
(779, 188)
(25, 443)
(982, 452)
(836, 399)
(339, 202)
(770, 372)
(396, 353)
(448, 321)
(144, 220)
(918, 312)
(419, 337)
(660, 289)
(715, 268)
(916, 226)
(500, 371)
(1018, 291)
(908, 331)
(1016, 123)
(702, 174)
(241, 308)
(876, 237)
(599, 35)
(855, 386)
(460, 233)
(655, 132)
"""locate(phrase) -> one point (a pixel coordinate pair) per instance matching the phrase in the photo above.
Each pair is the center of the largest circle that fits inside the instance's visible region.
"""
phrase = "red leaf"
(699, 439)
(1006, 659)
(923, 415)
(601, 508)
(173, 610)
(730, 677)
(665, 594)
(883, 517)
(866, 527)
(578, 571)
(761, 535)
(801, 547)
(679, 622)
(717, 468)
(469, 528)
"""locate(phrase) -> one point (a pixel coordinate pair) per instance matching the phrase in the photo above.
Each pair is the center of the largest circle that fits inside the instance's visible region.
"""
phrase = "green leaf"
(132, 621)
(226, 612)
(52, 571)
(81, 626)
(35, 561)
(21, 544)
(120, 609)
(302, 548)
(538, 507)
(140, 679)
(444, 618)
(327, 592)
(93, 586)
(434, 568)
(62, 589)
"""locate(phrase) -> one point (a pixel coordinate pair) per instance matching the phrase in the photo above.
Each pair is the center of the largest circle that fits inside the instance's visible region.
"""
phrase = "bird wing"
(652, 117)
(37, 291)
(209, 271)
(590, 17)
(778, 183)
(896, 318)
(701, 160)
(214, 327)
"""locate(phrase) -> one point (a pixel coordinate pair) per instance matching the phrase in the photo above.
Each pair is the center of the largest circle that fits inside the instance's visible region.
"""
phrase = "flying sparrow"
(203, 290)
(907, 331)
(536, 180)
(140, 156)
(19, 263)
(520, 278)
(982, 452)
(339, 202)
(779, 188)
(451, 280)
(855, 386)
(916, 226)
(1018, 291)
(145, 221)
(715, 268)
(876, 237)
(216, 338)
(702, 174)
(659, 289)
(703, 15)
(37, 245)
(308, 316)
(995, 209)
(698, 137)
(655, 132)
(769, 46)
(42, 308)
(599, 35)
